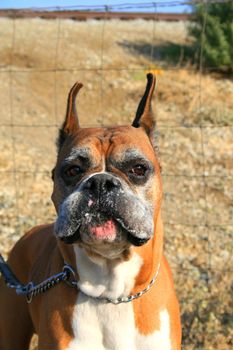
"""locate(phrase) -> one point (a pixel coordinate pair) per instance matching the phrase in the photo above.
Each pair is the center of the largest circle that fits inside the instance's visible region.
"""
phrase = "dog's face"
(107, 185)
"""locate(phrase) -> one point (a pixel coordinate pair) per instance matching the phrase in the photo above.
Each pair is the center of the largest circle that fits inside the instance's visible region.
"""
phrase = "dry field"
(39, 62)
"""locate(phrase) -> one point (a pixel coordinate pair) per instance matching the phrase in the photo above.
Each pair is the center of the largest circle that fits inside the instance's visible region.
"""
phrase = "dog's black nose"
(100, 183)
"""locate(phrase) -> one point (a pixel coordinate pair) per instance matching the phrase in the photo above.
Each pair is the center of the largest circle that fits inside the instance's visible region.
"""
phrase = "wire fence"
(203, 181)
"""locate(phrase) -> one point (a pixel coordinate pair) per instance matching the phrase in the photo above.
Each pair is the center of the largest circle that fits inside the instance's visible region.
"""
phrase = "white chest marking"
(111, 327)
(100, 326)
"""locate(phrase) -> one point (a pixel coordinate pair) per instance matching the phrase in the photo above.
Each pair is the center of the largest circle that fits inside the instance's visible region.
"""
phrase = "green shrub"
(217, 38)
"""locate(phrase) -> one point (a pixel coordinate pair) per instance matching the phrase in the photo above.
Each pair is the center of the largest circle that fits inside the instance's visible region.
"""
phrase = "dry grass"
(113, 71)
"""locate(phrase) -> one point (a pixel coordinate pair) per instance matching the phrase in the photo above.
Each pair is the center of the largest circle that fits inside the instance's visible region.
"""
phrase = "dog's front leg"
(16, 327)
(52, 316)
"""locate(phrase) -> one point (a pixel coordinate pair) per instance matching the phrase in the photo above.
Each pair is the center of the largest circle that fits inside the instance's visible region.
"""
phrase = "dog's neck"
(118, 277)
(101, 277)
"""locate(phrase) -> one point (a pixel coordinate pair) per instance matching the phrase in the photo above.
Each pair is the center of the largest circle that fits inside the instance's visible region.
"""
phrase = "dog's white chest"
(102, 326)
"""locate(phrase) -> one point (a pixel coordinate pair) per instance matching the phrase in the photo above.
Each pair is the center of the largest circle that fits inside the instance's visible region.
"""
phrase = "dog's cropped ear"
(144, 115)
(71, 123)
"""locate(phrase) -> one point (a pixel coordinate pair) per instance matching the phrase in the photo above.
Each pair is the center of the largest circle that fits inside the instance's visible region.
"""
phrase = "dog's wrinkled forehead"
(119, 143)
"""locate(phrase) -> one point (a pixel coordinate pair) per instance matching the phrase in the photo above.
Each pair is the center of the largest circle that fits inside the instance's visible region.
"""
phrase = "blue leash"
(30, 290)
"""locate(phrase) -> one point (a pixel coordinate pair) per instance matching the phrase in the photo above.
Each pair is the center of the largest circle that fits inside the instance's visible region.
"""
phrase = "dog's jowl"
(120, 294)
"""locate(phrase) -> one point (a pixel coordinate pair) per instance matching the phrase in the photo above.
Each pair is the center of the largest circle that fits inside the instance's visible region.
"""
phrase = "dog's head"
(107, 184)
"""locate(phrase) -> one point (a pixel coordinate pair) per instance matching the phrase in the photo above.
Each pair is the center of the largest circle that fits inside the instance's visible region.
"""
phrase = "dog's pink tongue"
(105, 230)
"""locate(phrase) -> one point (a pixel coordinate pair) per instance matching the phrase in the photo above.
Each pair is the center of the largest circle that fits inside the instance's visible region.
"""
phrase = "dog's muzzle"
(104, 208)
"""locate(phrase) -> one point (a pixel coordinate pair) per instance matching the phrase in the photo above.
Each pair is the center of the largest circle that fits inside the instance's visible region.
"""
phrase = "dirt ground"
(39, 62)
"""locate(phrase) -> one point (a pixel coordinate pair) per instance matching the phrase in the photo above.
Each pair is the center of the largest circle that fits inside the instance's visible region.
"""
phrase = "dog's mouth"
(98, 230)
(103, 230)
(127, 220)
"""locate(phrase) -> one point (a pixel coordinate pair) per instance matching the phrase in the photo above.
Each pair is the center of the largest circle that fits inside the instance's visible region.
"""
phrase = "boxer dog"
(107, 194)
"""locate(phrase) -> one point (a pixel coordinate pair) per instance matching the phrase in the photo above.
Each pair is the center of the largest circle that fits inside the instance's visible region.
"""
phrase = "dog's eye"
(138, 170)
(73, 171)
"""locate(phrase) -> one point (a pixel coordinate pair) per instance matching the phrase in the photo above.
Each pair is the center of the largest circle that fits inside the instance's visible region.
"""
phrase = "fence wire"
(155, 5)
